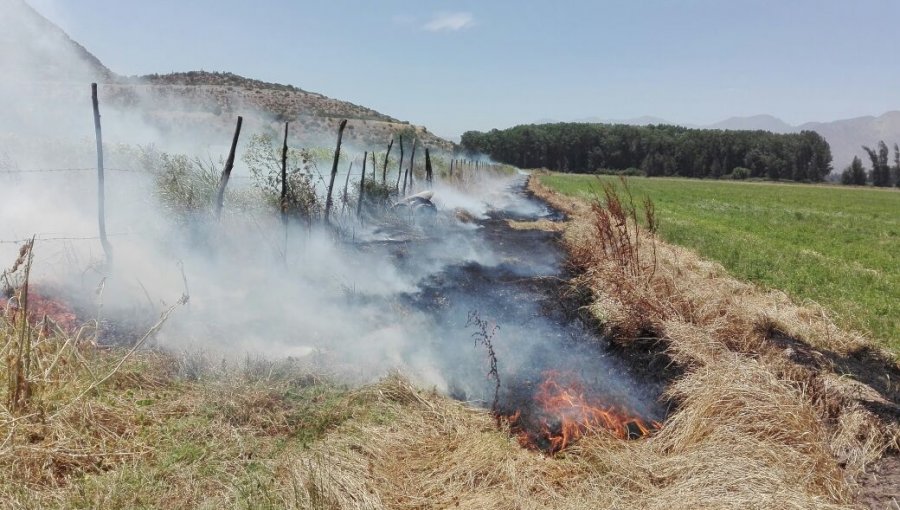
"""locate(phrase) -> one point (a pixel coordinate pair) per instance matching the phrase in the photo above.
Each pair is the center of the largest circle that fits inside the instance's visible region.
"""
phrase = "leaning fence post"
(345, 198)
(451, 168)
(226, 172)
(101, 186)
(334, 169)
(386, 154)
(284, 187)
(428, 176)
(362, 183)
(400, 165)
(412, 162)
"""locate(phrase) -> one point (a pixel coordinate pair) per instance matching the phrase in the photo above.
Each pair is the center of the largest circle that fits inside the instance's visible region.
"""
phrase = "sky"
(455, 66)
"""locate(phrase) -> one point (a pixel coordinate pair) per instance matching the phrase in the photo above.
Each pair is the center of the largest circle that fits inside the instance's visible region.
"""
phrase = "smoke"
(382, 295)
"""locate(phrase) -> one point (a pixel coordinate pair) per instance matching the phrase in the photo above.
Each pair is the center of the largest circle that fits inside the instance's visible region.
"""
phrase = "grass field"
(839, 247)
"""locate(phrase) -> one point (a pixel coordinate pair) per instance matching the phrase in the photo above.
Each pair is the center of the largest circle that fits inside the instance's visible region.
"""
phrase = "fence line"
(62, 170)
(86, 238)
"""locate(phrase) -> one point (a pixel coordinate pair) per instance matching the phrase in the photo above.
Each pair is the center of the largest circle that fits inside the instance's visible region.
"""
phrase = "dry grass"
(758, 423)
(115, 428)
(721, 329)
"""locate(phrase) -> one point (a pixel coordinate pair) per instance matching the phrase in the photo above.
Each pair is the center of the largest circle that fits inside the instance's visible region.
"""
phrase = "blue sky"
(460, 65)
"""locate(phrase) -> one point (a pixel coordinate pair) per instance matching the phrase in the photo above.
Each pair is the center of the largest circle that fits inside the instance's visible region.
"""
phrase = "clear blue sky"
(459, 65)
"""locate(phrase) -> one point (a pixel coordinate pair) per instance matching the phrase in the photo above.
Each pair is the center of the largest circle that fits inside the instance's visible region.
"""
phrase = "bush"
(263, 158)
(740, 173)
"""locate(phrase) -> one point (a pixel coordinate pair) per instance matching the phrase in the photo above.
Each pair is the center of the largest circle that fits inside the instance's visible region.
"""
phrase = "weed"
(484, 335)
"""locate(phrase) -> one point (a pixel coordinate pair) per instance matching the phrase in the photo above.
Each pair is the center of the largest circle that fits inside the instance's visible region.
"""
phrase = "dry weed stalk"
(484, 335)
(18, 348)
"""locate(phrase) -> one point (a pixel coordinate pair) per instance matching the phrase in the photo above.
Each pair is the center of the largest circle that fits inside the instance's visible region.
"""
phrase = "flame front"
(562, 414)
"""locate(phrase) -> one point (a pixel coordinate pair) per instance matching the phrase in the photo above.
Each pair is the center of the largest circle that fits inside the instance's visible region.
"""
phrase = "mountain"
(49, 68)
(847, 136)
(754, 123)
(646, 120)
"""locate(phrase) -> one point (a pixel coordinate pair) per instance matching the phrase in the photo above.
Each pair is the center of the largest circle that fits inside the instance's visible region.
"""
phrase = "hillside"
(35, 49)
(47, 62)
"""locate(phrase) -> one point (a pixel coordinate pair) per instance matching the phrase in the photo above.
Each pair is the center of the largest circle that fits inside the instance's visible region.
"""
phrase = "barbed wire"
(61, 170)
(36, 238)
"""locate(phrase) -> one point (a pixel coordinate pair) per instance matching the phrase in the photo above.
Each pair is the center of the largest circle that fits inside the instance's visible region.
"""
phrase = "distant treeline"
(657, 150)
(882, 174)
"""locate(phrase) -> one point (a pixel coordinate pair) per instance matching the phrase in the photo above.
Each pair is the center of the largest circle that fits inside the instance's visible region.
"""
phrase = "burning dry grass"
(763, 420)
(438, 453)
(266, 436)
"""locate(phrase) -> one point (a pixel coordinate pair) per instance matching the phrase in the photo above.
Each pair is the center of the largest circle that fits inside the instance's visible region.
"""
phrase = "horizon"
(485, 69)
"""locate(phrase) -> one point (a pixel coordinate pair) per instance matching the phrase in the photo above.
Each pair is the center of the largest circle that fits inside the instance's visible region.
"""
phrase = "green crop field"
(837, 246)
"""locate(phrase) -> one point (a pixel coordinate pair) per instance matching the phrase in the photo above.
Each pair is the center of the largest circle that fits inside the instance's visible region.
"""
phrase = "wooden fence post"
(226, 172)
(362, 183)
(386, 154)
(284, 183)
(400, 166)
(101, 181)
(429, 178)
(284, 191)
(334, 169)
(412, 164)
(345, 198)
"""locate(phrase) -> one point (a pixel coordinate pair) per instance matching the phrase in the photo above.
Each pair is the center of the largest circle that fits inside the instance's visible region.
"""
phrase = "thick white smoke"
(379, 297)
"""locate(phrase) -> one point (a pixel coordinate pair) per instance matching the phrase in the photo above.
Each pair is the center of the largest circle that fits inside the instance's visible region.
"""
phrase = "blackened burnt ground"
(523, 288)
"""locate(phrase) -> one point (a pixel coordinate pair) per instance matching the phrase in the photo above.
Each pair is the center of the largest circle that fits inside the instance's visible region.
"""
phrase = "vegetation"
(838, 247)
(657, 150)
(883, 174)
(263, 158)
(214, 78)
(854, 174)
(106, 428)
(90, 427)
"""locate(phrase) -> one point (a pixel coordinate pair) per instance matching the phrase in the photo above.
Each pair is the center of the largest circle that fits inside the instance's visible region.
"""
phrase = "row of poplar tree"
(882, 173)
(660, 150)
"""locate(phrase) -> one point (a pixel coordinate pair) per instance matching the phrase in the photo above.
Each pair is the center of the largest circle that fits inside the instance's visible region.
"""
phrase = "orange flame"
(564, 415)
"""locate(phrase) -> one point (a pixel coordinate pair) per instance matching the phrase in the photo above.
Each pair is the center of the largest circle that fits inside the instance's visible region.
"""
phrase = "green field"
(837, 246)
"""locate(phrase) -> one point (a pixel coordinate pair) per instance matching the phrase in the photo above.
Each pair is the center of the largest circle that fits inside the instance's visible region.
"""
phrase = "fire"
(39, 307)
(563, 411)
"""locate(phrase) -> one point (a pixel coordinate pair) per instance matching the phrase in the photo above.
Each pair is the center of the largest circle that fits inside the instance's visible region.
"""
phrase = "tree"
(854, 174)
(658, 150)
(881, 171)
(896, 165)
